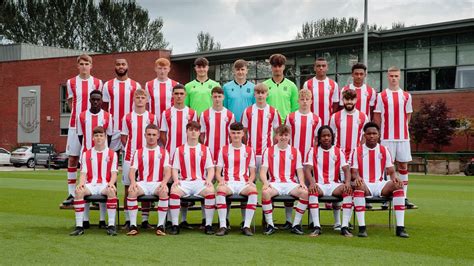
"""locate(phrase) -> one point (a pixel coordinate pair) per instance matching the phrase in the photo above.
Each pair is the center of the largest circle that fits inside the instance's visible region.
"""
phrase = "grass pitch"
(34, 231)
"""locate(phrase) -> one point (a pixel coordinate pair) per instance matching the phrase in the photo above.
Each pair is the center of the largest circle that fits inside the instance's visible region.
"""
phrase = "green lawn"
(34, 231)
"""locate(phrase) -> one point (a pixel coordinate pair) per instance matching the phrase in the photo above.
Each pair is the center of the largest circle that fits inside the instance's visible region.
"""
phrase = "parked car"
(4, 156)
(469, 170)
(59, 160)
(25, 156)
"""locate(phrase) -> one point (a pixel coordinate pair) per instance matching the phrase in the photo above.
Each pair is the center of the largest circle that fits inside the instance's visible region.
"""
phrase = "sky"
(236, 23)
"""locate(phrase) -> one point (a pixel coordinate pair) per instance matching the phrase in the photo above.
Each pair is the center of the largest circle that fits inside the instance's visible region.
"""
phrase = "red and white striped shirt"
(78, 90)
(260, 122)
(98, 165)
(325, 93)
(304, 128)
(327, 164)
(348, 129)
(236, 162)
(216, 125)
(134, 127)
(371, 163)
(192, 161)
(151, 163)
(394, 107)
(282, 164)
(87, 121)
(160, 95)
(173, 122)
(119, 95)
(366, 97)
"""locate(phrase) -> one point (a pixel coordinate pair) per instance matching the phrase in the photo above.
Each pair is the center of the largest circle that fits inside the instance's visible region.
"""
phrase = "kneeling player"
(194, 162)
(282, 162)
(98, 176)
(154, 171)
(238, 163)
(369, 162)
(326, 161)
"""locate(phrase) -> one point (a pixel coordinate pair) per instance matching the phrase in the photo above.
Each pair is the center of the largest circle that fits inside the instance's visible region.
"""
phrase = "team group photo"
(351, 143)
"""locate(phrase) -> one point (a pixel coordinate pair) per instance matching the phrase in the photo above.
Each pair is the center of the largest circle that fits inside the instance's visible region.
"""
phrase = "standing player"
(160, 89)
(348, 124)
(154, 171)
(86, 122)
(304, 127)
(393, 114)
(323, 166)
(366, 95)
(118, 99)
(133, 131)
(237, 162)
(78, 90)
(193, 162)
(283, 163)
(215, 123)
(199, 90)
(238, 93)
(259, 121)
(282, 92)
(325, 91)
(98, 176)
(369, 162)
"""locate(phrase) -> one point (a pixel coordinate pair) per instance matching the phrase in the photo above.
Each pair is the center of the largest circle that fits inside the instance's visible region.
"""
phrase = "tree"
(465, 128)
(205, 42)
(419, 125)
(104, 26)
(333, 26)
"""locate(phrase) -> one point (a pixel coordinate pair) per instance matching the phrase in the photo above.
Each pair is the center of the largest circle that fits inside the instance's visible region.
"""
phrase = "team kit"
(210, 141)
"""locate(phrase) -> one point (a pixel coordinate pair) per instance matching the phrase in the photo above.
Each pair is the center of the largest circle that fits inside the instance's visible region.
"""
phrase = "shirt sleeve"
(166, 162)
(409, 108)
(69, 90)
(188, 95)
(309, 158)
(110, 126)
(209, 163)
(226, 101)
(244, 119)
(305, 85)
(114, 163)
(252, 159)
(124, 126)
(353, 159)
(299, 164)
(276, 120)
(83, 163)
(332, 125)
(176, 163)
(203, 123)
(343, 159)
(105, 93)
(220, 159)
(294, 99)
(379, 104)
(388, 159)
(373, 98)
(335, 95)
(163, 124)
(79, 126)
(265, 158)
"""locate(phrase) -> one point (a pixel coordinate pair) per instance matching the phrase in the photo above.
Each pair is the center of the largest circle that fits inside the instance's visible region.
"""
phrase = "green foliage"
(105, 26)
(205, 42)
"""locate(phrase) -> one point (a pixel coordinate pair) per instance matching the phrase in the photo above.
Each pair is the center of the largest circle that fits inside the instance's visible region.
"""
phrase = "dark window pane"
(418, 80)
(445, 78)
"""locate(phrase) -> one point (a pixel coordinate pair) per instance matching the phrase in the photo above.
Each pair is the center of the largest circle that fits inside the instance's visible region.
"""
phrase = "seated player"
(98, 176)
(368, 164)
(325, 162)
(154, 171)
(193, 163)
(238, 162)
(282, 162)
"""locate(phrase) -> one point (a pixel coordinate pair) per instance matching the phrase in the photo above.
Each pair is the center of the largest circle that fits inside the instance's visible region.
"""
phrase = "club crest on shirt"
(248, 90)
(246, 155)
(292, 157)
(210, 86)
(107, 159)
(380, 156)
(226, 119)
(159, 156)
(285, 88)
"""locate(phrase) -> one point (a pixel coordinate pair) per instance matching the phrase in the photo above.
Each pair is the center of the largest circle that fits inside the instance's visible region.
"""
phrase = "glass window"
(467, 37)
(444, 78)
(264, 70)
(331, 58)
(225, 72)
(212, 72)
(465, 54)
(373, 80)
(64, 107)
(418, 53)
(443, 40)
(393, 54)
(443, 56)
(343, 79)
(63, 131)
(305, 65)
(464, 77)
(345, 60)
(252, 73)
(290, 69)
(373, 62)
(385, 80)
(418, 80)
(302, 80)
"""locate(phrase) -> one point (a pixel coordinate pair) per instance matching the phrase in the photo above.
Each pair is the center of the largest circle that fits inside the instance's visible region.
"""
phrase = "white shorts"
(96, 189)
(400, 150)
(148, 187)
(376, 188)
(73, 146)
(328, 189)
(116, 142)
(192, 188)
(236, 186)
(284, 188)
(125, 171)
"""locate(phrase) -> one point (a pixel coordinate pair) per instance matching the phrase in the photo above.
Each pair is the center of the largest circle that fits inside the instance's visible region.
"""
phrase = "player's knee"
(303, 194)
(266, 195)
(132, 194)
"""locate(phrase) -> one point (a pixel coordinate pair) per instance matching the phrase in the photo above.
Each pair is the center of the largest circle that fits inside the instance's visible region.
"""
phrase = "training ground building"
(437, 62)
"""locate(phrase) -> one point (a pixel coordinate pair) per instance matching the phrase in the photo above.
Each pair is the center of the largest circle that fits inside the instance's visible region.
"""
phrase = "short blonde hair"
(140, 92)
(84, 57)
(393, 69)
(260, 87)
(305, 93)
